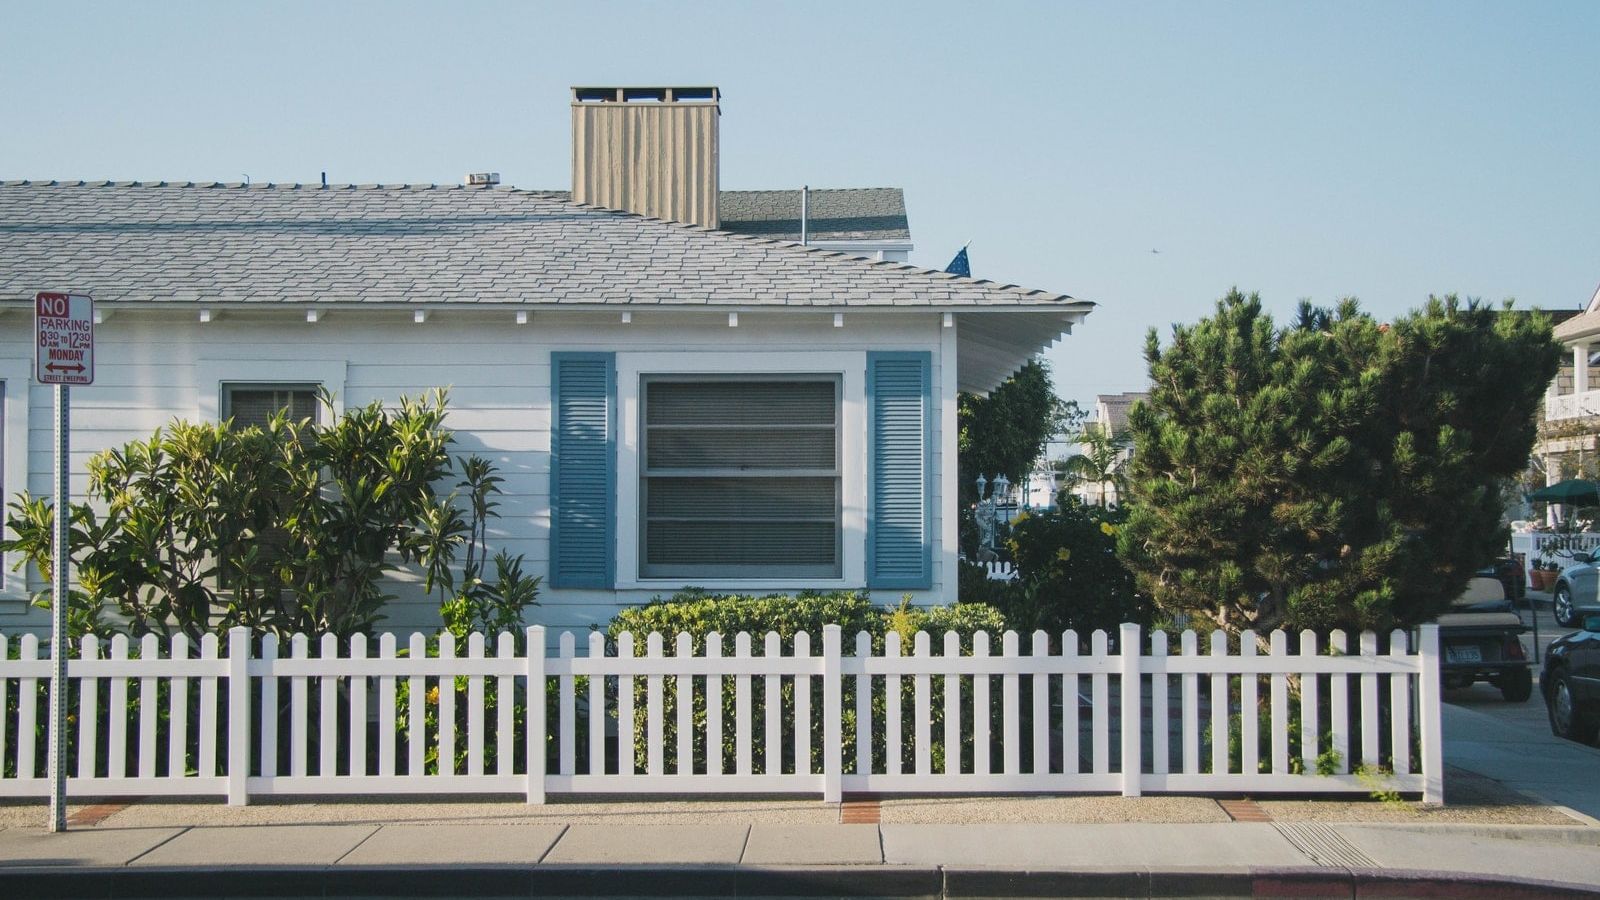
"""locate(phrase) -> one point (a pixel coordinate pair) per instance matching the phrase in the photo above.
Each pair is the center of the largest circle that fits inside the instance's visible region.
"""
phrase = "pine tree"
(1336, 472)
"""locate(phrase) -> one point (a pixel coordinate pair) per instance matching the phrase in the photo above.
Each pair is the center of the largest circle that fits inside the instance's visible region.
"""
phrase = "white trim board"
(17, 374)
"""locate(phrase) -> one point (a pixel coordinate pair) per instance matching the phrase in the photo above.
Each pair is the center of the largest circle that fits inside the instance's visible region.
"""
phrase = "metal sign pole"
(58, 614)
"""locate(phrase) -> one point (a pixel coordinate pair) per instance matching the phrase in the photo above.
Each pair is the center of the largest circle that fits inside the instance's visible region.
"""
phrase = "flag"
(958, 266)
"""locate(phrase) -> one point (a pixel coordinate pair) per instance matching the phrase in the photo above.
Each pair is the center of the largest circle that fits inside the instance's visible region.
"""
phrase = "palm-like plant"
(1099, 460)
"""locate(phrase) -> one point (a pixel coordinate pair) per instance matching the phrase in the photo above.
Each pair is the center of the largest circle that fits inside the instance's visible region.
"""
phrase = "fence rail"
(1122, 713)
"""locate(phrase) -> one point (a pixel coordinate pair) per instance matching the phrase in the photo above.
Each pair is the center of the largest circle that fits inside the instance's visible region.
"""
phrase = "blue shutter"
(899, 470)
(583, 475)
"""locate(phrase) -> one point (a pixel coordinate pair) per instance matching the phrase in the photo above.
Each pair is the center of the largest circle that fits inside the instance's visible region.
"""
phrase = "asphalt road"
(1512, 743)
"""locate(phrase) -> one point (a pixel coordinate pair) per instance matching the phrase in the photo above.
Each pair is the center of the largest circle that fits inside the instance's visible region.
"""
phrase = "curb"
(745, 881)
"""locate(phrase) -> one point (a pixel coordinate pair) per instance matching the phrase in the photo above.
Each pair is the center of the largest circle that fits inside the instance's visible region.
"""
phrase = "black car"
(1571, 683)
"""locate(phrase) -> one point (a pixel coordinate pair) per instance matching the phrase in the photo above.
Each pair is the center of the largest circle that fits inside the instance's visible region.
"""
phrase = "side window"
(255, 404)
(740, 477)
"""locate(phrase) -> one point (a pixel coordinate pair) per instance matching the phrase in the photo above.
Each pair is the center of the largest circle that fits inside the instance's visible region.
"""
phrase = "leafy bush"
(284, 528)
(699, 613)
(1069, 573)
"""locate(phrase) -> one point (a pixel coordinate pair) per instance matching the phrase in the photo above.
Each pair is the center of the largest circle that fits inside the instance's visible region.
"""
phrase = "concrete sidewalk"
(801, 859)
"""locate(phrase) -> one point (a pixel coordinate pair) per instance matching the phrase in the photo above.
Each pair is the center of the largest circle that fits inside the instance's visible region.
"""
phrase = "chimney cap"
(483, 178)
(642, 94)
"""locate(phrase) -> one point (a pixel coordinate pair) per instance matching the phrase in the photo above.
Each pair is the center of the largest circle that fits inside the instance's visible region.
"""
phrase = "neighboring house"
(1567, 446)
(670, 404)
(1111, 420)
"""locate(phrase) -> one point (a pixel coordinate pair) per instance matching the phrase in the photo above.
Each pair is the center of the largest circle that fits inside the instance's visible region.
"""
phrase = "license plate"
(1467, 654)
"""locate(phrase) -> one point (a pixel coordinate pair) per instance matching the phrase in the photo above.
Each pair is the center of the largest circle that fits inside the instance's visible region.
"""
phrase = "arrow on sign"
(72, 368)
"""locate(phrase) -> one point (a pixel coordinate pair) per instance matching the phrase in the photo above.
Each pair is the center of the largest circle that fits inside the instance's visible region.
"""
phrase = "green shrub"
(699, 613)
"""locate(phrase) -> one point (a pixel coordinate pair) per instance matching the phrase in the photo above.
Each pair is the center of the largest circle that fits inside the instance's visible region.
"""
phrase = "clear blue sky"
(1304, 150)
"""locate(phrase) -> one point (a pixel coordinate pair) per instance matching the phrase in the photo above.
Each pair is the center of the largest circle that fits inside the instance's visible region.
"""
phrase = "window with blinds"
(740, 477)
(256, 404)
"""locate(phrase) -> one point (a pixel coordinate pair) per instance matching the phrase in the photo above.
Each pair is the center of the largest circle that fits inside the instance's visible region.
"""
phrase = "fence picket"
(1399, 709)
(1339, 701)
(386, 710)
(802, 709)
(627, 758)
(685, 709)
(980, 706)
(117, 712)
(1011, 706)
(1219, 705)
(714, 708)
(597, 708)
(299, 710)
(1100, 703)
(566, 708)
(1189, 645)
(742, 725)
(475, 708)
(210, 720)
(892, 715)
(177, 712)
(952, 708)
(88, 715)
(358, 684)
(417, 733)
(654, 752)
(865, 733)
(1370, 732)
(1249, 706)
(505, 703)
(1160, 713)
(446, 686)
(772, 710)
(1310, 708)
(328, 712)
(1278, 646)
(1071, 720)
(149, 648)
(269, 708)
(538, 726)
(921, 648)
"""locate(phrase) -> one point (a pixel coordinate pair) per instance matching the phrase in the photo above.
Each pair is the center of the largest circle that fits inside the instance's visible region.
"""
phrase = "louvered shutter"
(583, 392)
(899, 464)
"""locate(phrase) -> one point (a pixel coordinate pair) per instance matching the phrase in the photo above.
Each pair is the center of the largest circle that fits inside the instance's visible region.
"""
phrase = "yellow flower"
(1064, 554)
(1108, 529)
(433, 695)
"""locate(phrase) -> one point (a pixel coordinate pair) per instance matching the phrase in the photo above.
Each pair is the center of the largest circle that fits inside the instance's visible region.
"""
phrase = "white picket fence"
(1132, 719)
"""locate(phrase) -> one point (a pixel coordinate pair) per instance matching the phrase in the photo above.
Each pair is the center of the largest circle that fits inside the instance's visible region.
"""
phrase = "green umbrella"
(1572, 491)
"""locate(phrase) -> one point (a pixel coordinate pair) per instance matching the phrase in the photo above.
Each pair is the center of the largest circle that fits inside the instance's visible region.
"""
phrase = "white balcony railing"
(1572, 406)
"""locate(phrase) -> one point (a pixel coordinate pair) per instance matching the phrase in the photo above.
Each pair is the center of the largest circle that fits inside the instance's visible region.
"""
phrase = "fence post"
(1429, 701)
(1132, 710)
(832, 711)
(239, 718)
(536, 714)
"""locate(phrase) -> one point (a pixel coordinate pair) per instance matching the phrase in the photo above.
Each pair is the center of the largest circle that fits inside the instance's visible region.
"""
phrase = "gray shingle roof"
(229, 243)
(835, 214)
(852, 214)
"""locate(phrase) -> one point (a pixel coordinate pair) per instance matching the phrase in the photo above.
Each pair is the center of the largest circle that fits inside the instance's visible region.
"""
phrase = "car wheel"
(1563, 606)
(1516, 686)
(1567, 719)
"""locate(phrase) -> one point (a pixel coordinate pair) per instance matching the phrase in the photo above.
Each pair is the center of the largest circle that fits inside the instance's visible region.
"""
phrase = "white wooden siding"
(154, 366)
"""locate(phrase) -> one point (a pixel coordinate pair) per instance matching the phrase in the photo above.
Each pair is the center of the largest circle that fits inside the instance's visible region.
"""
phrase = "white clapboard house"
(670, 401)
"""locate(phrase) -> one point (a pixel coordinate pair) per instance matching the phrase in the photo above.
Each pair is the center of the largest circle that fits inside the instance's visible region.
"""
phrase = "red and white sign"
(64, 338)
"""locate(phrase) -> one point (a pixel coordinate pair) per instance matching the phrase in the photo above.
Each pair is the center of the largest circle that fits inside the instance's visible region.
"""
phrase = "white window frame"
(213, 377)
(848, 366)
(17, 377)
